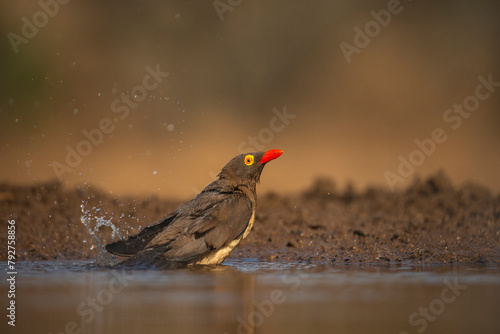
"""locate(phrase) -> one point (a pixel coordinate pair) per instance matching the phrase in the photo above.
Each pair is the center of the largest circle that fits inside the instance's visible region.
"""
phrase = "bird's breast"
(219, 255)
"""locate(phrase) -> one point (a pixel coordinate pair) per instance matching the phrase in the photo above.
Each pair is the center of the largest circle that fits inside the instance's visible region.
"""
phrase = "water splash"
(103, 257)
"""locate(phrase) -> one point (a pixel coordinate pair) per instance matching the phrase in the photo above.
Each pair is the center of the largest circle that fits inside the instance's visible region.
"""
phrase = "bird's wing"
(197, 233)
(138, 242)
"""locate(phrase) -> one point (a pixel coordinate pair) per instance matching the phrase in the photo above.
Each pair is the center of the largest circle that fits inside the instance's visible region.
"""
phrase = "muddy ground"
(431, 221)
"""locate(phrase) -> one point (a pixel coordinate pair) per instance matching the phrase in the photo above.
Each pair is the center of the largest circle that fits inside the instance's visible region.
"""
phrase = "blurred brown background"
(352, 120)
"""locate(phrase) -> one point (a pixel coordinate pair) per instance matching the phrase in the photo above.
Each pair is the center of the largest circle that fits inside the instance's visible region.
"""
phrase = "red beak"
(270, 155)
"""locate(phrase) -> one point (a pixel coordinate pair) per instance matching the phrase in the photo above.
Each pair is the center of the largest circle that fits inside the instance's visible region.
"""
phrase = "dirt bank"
(431, 221)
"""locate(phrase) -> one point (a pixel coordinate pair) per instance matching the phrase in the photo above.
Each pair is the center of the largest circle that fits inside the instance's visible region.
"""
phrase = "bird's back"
(210, 222)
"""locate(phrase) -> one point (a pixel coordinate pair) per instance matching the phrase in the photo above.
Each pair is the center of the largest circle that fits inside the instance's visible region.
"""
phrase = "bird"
(207, 228)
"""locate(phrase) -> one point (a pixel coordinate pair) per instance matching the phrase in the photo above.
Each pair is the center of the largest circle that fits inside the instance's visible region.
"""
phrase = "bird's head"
(246, 168)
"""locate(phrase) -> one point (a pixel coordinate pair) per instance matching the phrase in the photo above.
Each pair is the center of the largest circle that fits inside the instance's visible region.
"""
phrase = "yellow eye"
(249, 159)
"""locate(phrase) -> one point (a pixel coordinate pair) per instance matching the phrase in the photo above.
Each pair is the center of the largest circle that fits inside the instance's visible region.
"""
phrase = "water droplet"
(75, 111)
(154, 172)
(170, 127)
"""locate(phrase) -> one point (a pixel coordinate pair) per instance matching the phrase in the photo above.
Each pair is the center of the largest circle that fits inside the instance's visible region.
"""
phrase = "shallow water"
(253, 297)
